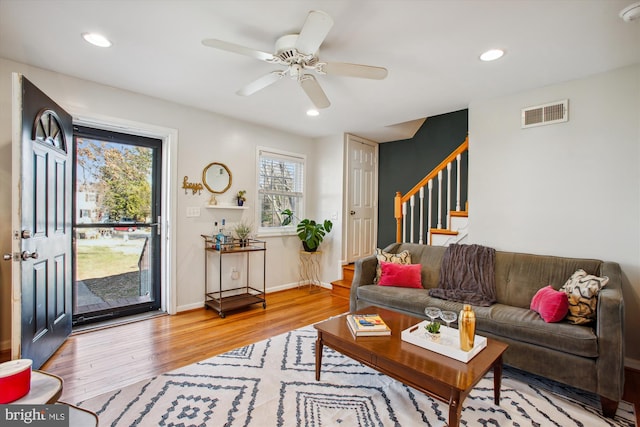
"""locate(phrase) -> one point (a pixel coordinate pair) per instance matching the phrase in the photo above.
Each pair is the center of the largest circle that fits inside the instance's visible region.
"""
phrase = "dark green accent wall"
(403, 163)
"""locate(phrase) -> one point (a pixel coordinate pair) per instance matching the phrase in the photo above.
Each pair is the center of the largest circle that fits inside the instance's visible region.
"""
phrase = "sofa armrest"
(364, 274)
(610, 332)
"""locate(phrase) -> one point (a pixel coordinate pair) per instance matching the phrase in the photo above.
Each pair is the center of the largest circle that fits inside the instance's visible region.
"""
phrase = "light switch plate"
(193, 212)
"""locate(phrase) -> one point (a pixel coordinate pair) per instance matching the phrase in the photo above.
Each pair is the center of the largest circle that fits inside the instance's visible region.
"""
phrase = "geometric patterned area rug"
(272, 383)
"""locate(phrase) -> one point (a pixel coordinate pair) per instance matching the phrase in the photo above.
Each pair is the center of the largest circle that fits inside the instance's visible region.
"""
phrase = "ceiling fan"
(299, 53)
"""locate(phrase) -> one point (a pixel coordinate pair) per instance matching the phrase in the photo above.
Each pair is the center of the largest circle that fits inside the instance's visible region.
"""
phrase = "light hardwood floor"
(94, 362)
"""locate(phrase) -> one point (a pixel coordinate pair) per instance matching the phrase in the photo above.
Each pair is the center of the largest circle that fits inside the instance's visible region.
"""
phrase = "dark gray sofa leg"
(609, 407)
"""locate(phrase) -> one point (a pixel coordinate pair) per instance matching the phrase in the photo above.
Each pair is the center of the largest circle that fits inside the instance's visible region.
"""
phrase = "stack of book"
(363, 325)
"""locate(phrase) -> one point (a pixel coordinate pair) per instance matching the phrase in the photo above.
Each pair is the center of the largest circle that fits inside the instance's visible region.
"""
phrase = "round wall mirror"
(216, 177)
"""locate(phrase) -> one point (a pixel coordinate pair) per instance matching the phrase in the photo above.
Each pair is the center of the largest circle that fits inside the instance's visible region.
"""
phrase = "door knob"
(7, 257)
(26, 255)
(26, 234)
(352, 212)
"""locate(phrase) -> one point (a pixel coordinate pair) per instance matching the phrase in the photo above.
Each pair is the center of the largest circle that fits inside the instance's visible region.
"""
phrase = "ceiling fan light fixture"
(313, 112)
(631, 12)
(492, 55)
(97, 39)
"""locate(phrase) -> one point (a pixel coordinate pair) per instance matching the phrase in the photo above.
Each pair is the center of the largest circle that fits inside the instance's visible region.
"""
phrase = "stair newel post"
(448, 195)
(421, 231)
(397, 213)
(440, 199)
(429, 210)
(458, 161)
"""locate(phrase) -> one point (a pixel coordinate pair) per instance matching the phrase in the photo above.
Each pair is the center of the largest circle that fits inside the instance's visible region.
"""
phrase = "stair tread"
(462, 214)
(444, 231)
(342, 283)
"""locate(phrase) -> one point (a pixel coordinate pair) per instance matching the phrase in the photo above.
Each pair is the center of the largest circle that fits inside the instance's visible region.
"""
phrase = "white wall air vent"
(553, 112)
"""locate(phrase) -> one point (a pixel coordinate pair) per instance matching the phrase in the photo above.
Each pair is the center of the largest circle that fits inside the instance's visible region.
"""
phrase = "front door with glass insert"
(116, 222)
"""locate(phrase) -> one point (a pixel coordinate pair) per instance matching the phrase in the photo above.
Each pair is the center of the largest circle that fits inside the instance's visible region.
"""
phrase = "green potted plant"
(310, 232)
(240, 197)
(433, 331)
(242, 230)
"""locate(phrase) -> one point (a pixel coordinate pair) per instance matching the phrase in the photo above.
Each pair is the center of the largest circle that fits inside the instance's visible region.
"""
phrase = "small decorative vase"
(240, 202)
(467, 327)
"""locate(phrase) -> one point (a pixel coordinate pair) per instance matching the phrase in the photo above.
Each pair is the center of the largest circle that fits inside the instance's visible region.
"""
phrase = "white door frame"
(347, 191)
(169, 185)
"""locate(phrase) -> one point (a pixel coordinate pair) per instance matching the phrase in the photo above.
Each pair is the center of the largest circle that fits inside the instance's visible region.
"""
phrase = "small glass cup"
(433, 313)
(448, 317)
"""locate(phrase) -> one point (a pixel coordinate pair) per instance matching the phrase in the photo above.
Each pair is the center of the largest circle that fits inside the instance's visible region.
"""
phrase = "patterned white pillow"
(582, 290)
(403, 257)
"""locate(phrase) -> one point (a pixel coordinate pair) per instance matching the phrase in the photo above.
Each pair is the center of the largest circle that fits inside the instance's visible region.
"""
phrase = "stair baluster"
(439, 199)
(421, 231)
(458, 162)
(449, 195)
(412, 203)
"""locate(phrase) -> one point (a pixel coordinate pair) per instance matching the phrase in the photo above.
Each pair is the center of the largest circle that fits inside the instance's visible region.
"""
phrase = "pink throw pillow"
(402, 275)
(550, 304)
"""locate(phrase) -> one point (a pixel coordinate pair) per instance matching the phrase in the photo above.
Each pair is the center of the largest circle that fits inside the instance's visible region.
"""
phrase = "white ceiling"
(430, 48)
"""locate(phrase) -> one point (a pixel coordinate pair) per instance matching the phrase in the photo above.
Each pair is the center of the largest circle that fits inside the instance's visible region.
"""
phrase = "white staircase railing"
(404, 205)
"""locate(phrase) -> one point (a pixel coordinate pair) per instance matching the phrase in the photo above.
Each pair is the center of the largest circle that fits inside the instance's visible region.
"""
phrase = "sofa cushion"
(403, 257)
(519, 276)
(402, 275)
(526, 326)
(582, 291)
(550, 304)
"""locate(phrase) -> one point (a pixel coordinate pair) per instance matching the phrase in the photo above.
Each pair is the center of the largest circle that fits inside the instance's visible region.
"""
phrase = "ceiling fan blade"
(314, 91)
(354, 70)
(236, 48)
(261, 83)
(315, 29)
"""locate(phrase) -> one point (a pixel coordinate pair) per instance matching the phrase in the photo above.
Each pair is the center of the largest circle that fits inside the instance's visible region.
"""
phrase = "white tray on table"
(449, 344)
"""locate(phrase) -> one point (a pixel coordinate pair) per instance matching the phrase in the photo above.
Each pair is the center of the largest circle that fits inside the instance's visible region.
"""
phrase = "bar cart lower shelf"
(233, 302)
(224, 300)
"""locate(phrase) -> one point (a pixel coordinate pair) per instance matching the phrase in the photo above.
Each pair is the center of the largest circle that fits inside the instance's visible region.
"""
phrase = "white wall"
(327, 202)
(569, 189)
(202, 138)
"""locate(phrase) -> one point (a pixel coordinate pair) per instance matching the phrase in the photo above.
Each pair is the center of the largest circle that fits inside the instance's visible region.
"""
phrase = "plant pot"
(240, 202)
(307, 248)
(434, 337)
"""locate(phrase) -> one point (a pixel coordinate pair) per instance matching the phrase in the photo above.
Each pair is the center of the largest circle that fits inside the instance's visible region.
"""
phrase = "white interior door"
(361, 207)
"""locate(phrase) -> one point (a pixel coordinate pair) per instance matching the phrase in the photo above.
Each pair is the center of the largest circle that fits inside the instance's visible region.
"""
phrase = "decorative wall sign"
(193, 186)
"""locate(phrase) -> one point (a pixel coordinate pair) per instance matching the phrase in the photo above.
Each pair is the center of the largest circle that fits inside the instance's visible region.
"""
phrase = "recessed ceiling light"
(492, 55)
(96, 39)
(313, 113)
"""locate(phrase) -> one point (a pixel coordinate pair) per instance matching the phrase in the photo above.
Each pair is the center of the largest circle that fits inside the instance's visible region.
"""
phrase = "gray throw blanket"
(467, 275)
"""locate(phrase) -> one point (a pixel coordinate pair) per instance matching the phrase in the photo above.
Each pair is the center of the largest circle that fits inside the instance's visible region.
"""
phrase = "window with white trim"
(280, 187)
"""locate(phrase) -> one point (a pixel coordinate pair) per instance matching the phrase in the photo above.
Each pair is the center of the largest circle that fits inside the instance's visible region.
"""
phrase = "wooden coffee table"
(439, 376)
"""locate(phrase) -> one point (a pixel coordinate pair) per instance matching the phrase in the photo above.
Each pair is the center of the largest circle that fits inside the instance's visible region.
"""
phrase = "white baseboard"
(188, 307)
(632, 363)
(284, 287)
